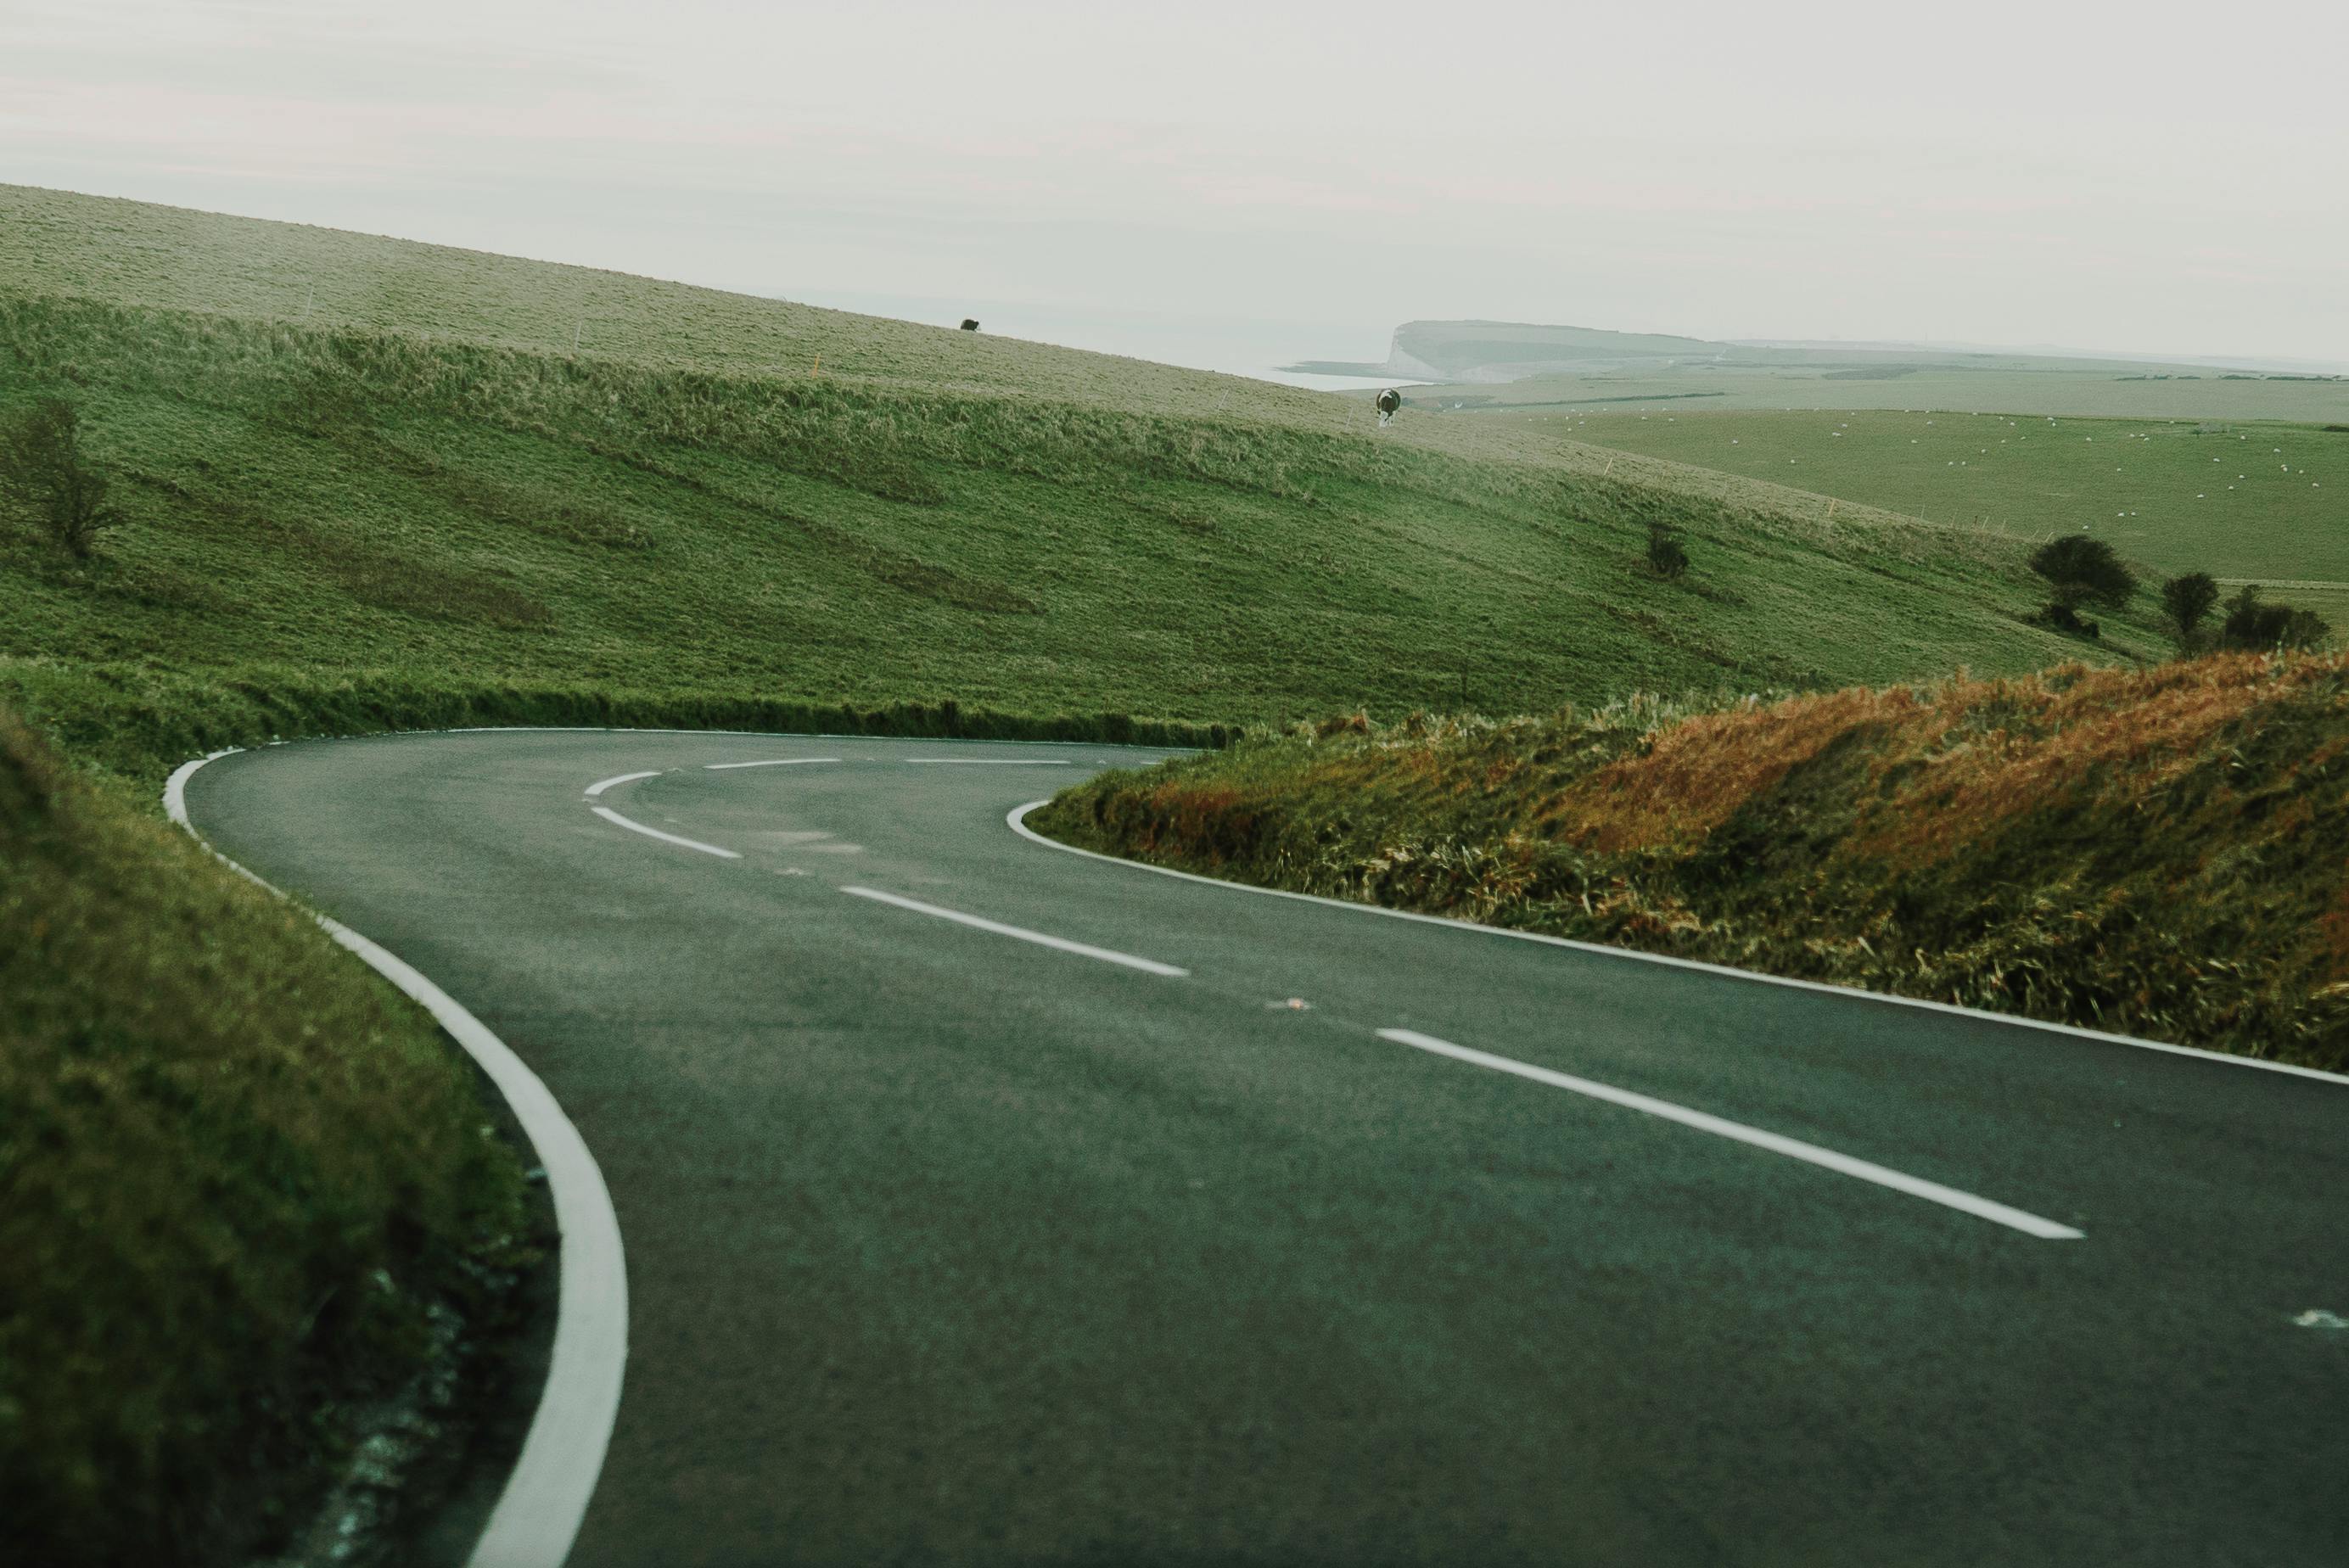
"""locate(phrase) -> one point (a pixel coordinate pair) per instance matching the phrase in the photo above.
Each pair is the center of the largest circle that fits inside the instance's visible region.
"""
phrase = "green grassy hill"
(343, 457)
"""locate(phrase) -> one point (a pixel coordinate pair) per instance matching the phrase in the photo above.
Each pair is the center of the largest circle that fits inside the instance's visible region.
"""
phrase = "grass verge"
(2155, 852)
(136, 723)
(246, 1191)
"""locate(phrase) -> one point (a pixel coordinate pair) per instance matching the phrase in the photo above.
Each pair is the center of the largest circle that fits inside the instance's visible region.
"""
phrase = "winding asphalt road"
(1238, 1228)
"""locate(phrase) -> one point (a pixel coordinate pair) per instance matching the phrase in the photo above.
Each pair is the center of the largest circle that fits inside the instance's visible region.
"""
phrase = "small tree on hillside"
(2186, 600)
(43, 476)
(2081, 571)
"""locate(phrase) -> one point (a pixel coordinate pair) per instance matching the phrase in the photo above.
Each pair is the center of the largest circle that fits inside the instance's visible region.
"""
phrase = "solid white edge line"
(1018, 813)
(778, 762)
(1060, 944)
(609, 815)
(175, 806)
(538, 1514)
(2030, 1224)
(601, 784)
(986, 761)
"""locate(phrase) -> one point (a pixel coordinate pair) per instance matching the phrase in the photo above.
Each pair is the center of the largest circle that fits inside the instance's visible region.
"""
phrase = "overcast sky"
(2107, 176)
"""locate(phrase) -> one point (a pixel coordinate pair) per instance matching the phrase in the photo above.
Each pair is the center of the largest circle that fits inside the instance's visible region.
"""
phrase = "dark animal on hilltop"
(968, 324)
(1389, 401)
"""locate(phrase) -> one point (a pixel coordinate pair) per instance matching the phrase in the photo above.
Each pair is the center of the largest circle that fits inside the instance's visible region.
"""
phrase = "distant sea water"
(1236, 347)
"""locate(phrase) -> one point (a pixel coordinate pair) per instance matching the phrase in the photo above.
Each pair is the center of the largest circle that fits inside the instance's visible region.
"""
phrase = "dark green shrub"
(2253, 626)
(1667, 557)
(2084, 571)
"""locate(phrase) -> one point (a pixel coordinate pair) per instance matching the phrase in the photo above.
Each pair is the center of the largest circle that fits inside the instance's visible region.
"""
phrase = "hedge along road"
(988, 1202)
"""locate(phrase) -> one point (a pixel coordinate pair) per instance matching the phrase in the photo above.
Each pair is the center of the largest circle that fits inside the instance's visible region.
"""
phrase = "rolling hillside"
(350, 463)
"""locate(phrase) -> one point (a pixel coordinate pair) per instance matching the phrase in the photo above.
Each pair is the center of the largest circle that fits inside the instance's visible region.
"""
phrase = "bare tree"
(42, 475)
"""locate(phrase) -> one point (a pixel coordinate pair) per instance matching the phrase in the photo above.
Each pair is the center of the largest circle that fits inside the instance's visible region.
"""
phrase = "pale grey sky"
(2111, 176)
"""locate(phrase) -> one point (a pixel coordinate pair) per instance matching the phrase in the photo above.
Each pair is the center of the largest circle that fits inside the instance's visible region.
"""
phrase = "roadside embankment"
(2157, 853)
(247, 1192)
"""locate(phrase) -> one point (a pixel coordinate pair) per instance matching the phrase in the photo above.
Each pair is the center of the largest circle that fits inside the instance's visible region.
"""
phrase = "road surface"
(984, 1202)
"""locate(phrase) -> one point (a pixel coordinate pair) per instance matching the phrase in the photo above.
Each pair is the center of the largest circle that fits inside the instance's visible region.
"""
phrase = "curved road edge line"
(538, 1515)
(1016, 818)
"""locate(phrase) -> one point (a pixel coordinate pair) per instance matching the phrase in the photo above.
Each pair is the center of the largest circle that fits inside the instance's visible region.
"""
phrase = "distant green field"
(2001, 383)
(2256, 501)
(1503, 366)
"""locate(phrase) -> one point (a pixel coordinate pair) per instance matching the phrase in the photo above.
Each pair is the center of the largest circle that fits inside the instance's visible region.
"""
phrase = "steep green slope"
(244, 1189)
(439, 494)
